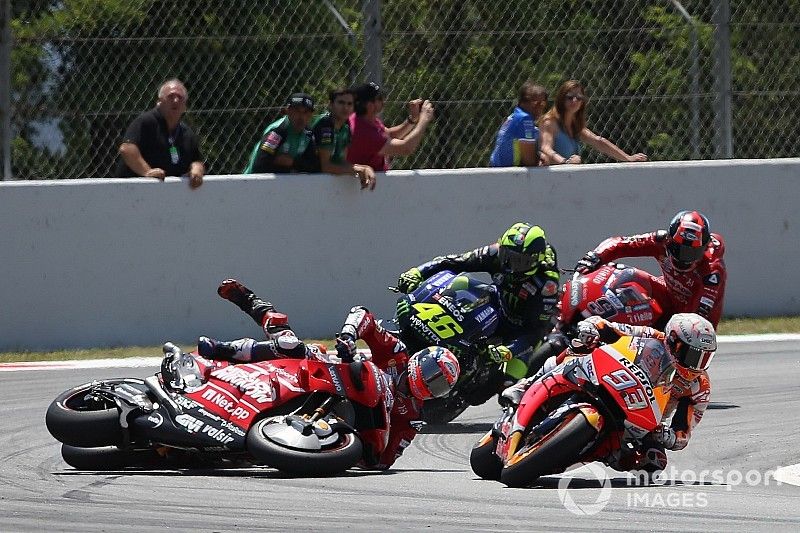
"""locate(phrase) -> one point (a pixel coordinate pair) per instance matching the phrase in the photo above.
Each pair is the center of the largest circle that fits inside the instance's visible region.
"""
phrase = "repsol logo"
(639, 373)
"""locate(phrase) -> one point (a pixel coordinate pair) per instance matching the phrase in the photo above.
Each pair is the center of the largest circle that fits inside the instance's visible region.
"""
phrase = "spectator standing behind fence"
(516, 141)
(565, 124)
(287, 145)
(372, 143)
(332, 137)
(158, 144)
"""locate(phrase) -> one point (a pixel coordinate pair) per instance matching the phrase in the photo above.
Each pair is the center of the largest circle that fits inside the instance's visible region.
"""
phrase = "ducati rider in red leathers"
(424, 375)
(690, 257)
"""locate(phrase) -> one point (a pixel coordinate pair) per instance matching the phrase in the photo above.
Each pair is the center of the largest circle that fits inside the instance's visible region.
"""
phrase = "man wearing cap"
(372, 143)
(287, 145)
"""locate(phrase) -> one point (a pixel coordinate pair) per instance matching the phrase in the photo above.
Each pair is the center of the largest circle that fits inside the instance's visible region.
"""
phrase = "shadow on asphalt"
(256, 473)
(550, 483)
(457, 428)
(722, 405)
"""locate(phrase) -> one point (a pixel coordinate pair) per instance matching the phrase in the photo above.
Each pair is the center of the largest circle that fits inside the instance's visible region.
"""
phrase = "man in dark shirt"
(287, 145)
(158, 144)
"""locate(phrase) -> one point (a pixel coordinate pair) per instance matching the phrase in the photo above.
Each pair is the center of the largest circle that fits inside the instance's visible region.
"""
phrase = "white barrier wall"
(137, 261)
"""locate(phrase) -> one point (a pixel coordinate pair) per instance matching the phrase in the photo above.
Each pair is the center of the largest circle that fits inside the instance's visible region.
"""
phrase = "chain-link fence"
(677, 80)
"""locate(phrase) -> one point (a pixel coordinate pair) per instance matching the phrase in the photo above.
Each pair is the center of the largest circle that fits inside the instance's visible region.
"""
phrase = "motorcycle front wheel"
(550, 454)
(484, 460)
(79, 417)
(298, 447)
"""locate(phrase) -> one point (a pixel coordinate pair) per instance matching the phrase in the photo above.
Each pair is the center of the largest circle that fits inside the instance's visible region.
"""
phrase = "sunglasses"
(573, 96)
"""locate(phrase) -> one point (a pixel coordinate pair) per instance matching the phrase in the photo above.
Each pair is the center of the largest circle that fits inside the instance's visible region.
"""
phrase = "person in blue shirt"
(517, 139)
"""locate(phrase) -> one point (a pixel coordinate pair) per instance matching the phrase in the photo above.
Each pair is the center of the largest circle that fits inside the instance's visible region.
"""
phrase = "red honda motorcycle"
(583, 410)
(301, 416)
(614, 291)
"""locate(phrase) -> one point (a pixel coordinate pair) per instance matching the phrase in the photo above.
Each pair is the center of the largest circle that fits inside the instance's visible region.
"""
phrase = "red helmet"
(688, 239)
(432, 372)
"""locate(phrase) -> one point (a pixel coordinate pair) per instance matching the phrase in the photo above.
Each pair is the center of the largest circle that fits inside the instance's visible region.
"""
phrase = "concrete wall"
(137, 261)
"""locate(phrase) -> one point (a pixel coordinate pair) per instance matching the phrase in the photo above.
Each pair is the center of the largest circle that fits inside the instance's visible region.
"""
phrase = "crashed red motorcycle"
(301, 416)
(584, 410)
(614, 291)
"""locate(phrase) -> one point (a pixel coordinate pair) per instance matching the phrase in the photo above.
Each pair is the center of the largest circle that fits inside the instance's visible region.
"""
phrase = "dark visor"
(686, 254)
(513, 261)
(433, 376)
(690, 357)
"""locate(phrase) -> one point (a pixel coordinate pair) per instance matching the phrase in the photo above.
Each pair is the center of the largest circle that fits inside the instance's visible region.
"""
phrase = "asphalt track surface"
(752, 428)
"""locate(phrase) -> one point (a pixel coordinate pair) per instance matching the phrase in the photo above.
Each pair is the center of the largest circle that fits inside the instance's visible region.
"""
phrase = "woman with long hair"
(563, 128)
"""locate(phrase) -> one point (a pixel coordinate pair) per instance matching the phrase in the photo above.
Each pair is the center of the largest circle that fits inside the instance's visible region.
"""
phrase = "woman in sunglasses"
(563, 128)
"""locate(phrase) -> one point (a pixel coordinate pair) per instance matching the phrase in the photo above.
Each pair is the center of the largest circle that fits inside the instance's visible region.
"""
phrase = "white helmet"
(691, 340)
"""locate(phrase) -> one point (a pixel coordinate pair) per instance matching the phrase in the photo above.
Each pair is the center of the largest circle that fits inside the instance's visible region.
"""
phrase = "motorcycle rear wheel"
(551, 454)
(109, 458)
(75, 419)
(331, 459)
(484, 461)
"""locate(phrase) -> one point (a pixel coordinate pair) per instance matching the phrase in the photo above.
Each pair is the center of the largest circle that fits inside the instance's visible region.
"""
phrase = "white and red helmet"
(692, 341)
(432, 372)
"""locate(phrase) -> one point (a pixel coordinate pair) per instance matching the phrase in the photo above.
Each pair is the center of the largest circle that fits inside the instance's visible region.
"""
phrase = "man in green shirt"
(287, 145)
(331, 132)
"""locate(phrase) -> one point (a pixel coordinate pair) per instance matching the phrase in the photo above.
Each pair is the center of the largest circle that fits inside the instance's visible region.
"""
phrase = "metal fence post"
(722, 79)
(5, 87)
(373, 46)
(694, 71)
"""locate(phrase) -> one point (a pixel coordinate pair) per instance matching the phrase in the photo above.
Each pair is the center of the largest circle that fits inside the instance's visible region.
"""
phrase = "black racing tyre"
(551, 454)
(76, 420)
(109, 458)
(331, 459)
(484, 461)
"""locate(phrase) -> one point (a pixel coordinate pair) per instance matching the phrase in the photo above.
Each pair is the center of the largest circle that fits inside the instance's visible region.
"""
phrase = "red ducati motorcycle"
(614, 291)
(583, 410)
(301, 416)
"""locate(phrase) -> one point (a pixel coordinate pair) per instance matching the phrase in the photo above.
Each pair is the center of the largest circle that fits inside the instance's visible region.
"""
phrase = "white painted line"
(766, 337)
(134, 362)
(788, 474)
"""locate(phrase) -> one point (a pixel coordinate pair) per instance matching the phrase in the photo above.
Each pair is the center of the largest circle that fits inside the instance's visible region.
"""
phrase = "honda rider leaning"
(691, 342)
(690, 256)
(427, 374)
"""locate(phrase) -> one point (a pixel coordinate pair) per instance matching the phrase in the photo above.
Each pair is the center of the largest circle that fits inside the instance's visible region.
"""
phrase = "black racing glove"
(588, 263)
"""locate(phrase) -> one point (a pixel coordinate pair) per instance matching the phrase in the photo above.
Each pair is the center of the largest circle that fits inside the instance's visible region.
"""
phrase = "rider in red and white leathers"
(408, 388)
(691, 341)
(690, 257)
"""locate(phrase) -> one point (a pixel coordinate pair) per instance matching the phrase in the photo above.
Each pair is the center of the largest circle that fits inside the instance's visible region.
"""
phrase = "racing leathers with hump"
(690, 340)
(524, 268)
(427, 374)
(690, 257)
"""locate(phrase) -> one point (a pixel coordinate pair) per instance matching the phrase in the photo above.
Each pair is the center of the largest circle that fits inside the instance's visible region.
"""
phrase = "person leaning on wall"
(518, 136)
(331, 132)
(563, 128)
(158, 144)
